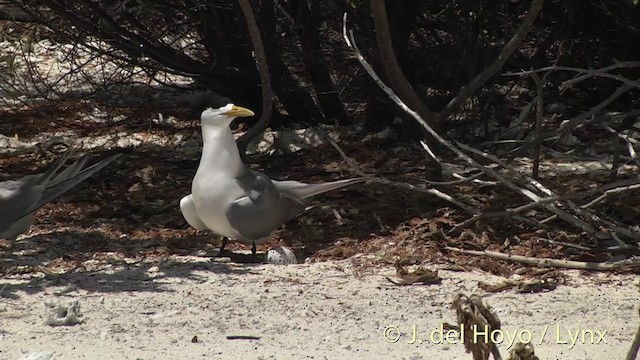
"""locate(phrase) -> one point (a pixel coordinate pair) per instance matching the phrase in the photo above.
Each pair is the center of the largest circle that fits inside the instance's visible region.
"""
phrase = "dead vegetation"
(541, 180)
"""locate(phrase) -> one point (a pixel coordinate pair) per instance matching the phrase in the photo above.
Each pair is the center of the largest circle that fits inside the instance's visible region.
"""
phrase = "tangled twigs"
(629, 264)
(402, 185)
(569, 212)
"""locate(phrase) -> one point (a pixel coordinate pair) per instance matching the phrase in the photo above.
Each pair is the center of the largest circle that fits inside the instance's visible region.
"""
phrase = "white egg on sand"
(281, 255)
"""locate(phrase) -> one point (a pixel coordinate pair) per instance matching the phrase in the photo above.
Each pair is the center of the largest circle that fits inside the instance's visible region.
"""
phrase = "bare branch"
(512, 45)
(401, 185)
(582, 119)
(486, 170)
(397, 80)
(588, 73)
(629, 264)
(628, 140)
(538, 129)
(265, 79)
(533, 184)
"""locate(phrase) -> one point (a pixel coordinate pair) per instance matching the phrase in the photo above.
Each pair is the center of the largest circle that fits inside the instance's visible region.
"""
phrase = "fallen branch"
(629, 264)
(609, 192)
(534, 185)
(604, 191)
(566, 244)
(401, 185)
(461, 180)
(493, 214)
(630, 142)
(349, 39)
(563, 214)
(443, 166)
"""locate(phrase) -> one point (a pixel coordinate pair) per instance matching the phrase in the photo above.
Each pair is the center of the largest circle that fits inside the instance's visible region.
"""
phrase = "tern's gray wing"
(263, 209)
(16, 196)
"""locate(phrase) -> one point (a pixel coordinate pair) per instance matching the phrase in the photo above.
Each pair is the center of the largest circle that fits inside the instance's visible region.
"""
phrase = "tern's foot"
(254, 251)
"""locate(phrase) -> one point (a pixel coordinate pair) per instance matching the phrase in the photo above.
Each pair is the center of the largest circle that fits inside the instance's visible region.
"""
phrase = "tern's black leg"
(253, 250)
(225, 240)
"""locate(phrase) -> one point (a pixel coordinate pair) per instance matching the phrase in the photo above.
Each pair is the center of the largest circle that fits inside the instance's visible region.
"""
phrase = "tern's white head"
(222, 116)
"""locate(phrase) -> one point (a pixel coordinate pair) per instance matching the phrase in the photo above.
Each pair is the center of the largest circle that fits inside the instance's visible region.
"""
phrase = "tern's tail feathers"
(69, 178)
(53, 169)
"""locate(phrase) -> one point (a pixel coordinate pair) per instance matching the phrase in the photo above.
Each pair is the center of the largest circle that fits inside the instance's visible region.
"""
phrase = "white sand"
(308, 311)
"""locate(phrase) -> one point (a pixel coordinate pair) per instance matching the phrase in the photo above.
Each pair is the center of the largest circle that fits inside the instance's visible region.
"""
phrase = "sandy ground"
(328, 310)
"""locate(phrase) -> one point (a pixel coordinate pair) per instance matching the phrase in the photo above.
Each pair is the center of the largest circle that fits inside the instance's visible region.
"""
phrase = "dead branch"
(628, 264)
(607, 189)
(588, 73)
(582, 119)
(493, 215)
(614, 66)
(402, 185)
(392, 69)
(461, 180)
(538, 127)
(529, 189)
(565, 244)
(530, 193)
(579, 120)
(512, 45)
(609, 192)
(265, 79)
(630, 142)
(533, 185)
(446, 168)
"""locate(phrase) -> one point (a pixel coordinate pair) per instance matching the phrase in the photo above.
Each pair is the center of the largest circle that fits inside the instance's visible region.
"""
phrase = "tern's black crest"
(216, 101)
(200, 103)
